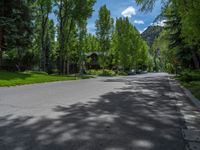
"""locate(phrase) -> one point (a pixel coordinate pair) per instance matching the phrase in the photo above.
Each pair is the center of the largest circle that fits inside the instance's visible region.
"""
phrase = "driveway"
(120, 113)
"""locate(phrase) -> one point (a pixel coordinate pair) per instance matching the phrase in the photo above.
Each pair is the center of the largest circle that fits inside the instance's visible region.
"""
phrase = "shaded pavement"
(123, 113)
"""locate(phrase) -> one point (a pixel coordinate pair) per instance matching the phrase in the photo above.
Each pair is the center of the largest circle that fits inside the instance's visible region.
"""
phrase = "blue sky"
(120, 8)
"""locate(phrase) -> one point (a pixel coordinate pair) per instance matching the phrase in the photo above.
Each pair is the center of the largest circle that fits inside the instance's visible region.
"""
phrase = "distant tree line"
(30, 39)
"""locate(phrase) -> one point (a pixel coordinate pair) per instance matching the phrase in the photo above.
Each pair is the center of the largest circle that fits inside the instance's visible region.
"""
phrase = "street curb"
(187, 133)
(194, 100)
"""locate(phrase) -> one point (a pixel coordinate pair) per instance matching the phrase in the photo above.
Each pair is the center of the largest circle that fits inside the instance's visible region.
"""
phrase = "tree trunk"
(61, 40)
(1, 37)
(195, 60)
(1, 47)
(64, 67)
(44, 31)
(68, 66)
(61, 67)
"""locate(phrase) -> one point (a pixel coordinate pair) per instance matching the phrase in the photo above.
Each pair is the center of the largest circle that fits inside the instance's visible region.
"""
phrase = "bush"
(107, 73)
(101, 72)
(93, 72)
(190, 75)
(122, 73)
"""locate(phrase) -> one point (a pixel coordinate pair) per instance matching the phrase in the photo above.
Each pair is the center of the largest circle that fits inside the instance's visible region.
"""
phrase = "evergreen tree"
(15, 26)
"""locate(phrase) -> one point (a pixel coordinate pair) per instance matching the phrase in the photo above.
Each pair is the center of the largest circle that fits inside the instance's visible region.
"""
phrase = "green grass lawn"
(13, 79)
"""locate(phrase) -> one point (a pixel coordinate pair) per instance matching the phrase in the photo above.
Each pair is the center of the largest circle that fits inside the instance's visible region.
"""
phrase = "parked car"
(144, 72)
(132, 72)
(139, 71)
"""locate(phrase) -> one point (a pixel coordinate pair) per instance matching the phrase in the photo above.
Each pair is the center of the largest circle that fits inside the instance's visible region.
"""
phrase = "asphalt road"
(121, 113)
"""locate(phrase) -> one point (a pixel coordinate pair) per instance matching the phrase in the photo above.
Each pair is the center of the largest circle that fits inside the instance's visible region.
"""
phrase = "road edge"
(188, 93)
(187, 132)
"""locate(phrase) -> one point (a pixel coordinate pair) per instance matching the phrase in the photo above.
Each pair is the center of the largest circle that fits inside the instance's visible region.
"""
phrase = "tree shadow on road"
(124, 120)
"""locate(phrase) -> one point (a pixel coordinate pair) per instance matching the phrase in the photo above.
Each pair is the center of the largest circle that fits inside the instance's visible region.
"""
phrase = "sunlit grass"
(20, 78)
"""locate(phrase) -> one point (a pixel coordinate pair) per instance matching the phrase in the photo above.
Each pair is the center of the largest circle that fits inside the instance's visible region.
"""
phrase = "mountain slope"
(151, 33)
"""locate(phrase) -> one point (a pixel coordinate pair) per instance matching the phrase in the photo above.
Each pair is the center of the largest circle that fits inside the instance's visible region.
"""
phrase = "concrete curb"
(194, 100)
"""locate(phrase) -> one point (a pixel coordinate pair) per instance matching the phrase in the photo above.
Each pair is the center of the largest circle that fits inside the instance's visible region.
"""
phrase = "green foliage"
(194, 87)
(189, 14)
(191, 80)
(190, 75)
(15, 24)
(91, 43)
(105, 72)
(183, 30)
(29, 39)
(104, 26)
(128, 50)
(121, 73)
(58, 47)
(70, 14)
(15, 27)
(43, 25)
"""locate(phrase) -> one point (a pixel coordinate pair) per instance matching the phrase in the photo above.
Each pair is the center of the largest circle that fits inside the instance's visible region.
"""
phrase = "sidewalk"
(190, 112)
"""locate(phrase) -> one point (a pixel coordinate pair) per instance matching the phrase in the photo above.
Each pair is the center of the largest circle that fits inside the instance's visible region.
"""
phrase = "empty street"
(105, 113)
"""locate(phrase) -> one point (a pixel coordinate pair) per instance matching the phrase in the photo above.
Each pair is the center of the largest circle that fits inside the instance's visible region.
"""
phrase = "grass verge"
(21, 78)
(194, 87)
(190, 79)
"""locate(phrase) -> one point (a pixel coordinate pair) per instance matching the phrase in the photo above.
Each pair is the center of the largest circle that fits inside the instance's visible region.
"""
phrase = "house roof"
(93, 53)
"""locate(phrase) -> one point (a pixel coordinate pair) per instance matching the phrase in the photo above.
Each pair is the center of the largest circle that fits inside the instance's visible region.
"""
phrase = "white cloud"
(159, 23)
(138, 21)
(129, 12)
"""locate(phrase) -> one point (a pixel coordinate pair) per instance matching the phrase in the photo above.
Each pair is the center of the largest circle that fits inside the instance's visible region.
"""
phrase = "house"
(92, 61)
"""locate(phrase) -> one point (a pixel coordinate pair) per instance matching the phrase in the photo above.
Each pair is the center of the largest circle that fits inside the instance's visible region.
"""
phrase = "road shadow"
(123, 120)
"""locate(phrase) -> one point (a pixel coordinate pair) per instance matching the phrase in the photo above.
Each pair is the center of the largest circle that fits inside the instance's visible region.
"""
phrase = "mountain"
(151, 33)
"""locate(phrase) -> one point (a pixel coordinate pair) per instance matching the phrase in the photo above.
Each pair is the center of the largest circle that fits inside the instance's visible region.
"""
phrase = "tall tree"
(43, 8)
(128, 48)
(186, 21)
(176, 38)
(82, 36)
(69, 13)
(104, 26)
(15, 26)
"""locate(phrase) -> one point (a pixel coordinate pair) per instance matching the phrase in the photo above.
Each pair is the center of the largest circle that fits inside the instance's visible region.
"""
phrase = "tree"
(104, 26)
(184, 19)
(82, 36)
(128, 48)
(43, 8)
(177, 40)
(122, 30)
(69, 13)
(90, 43)
(15, 27)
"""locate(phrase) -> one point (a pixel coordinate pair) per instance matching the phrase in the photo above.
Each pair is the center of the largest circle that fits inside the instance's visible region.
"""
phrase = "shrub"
(93, 72)
(122, 73)
(190, 75)
(101, 72)
(107, 73)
